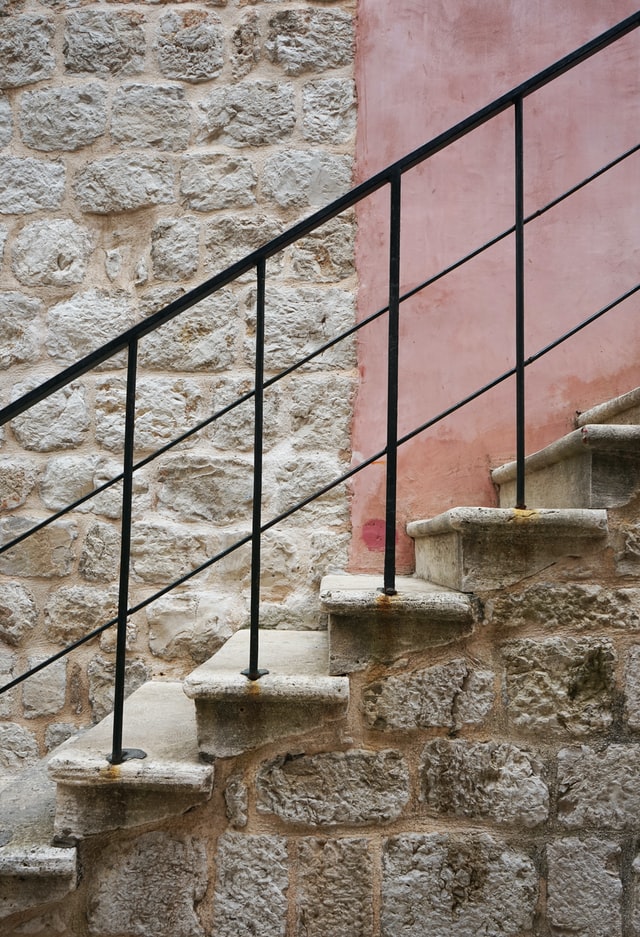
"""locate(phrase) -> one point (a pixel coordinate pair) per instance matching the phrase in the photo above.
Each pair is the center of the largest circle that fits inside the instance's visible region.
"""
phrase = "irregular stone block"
(67, 478)
(4, 232)
(584, 890)
(17, 481)
(305, 178)
(236, 799)
(252, 878)
(202, 487)
(7, 673)
(175, 248)
(160, 878)
(73, 612)
(310, 40)
(599, 788)
(65, 118)
(333, 788)
(234, 429)
(327, 254)
(20, 328)
(245, 46)
(100, 555)
(81, 324)
(251, 113)
(51, 253)
(18, 613)
(560, 684)
(294, 477)
(6, 122)
(102, 674)
(18, 749)
(151, 115)
(190, 45)
(26, 50)
(439, 884)
(335, 888)
(163, 552)
(164, 408)
(104, 42)
(58, 732)
(60, 421)
(203, 338)
(632, 687)
(447, 695)
(329, 110)
(48, 553)
(579, 607)
(231, 237)
(28, 185)
(193, 624)
(44, 693)
(321, 411)
(124, 183)
(217, 181)
(484, 780)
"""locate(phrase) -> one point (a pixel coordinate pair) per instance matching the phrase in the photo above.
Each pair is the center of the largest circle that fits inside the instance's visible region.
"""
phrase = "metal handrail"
(391, 176)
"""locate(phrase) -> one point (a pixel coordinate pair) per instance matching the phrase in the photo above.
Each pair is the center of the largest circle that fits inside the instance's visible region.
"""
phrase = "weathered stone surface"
(304, 40)
(72, 612)
(321, 411)
(298, 322)
(6, 123)
(83, 323)
(202, 487)
(632, 688)
(65, 118)
(27, 185)
(175, 248)
(234, 430)
(335, 888)
(20, 328)
(57, 733)
(18, 613)
(49, 553)
(61, 421)
(4, 232)
(190, 45)
(18, 749)
(164, 408)
(26, 50)
(43, 694)
(67, 478)
(236, 799)
(484, 780)
(355, 787)
(105, 42)
(100, 554)
(438, 884)
(251, 886)
(448, 695)
(217, 181)
(599, 788)
(51, 253)
(161, 552)
(151, 115)
(578, 607)
(231, 237)
(124, 183)
(192, 624)
(160, 878)
(203, 338)
(101, 674)
(245, 46)
(157, 298)
(7, 673)
(327, 254)
(292, 476)
(329, 110)
(305, 178)
(17, 481)
(584, 890)
(251, 113)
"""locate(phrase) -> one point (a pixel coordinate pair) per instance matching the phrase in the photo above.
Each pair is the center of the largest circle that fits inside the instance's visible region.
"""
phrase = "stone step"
(366, 626)
(94, 796)
(33, 872)
(481, 549)
(596, 466)
(624, 409)
(235, 714)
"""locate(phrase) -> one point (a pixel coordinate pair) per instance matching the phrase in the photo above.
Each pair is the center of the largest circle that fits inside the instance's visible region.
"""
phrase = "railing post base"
(253, 674)
(127, 754)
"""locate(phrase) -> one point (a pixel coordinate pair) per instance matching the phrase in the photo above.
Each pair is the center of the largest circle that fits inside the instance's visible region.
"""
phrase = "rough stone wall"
(143, 148)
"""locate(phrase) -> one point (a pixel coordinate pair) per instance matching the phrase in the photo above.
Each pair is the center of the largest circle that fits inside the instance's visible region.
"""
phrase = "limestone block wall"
(144, 147)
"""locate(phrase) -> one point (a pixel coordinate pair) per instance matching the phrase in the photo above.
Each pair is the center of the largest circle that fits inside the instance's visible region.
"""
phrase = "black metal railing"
(256, 261)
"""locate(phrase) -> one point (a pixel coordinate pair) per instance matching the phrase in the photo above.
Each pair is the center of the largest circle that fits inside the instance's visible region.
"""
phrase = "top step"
(623, 410)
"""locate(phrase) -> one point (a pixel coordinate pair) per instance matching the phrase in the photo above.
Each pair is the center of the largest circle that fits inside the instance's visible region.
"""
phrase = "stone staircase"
(464, 557)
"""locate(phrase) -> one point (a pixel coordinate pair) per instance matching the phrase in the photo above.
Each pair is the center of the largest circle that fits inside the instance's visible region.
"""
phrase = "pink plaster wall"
(423, 65)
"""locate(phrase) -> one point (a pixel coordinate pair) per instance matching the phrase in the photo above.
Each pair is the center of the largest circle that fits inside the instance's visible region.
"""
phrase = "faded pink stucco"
(423, 65)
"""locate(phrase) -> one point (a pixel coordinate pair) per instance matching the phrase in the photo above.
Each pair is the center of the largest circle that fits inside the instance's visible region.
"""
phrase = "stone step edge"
(39, 861)
(581, 522)
(361, 594)
(606, 411)
(589, 438)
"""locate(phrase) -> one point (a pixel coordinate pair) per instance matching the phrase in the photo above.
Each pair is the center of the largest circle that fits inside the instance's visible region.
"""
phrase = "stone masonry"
(143, 148)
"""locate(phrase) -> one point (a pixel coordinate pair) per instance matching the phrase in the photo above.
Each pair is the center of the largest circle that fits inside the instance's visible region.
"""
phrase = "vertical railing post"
(253, 672)
(519, 265)
(118, 754)
(389, 587)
